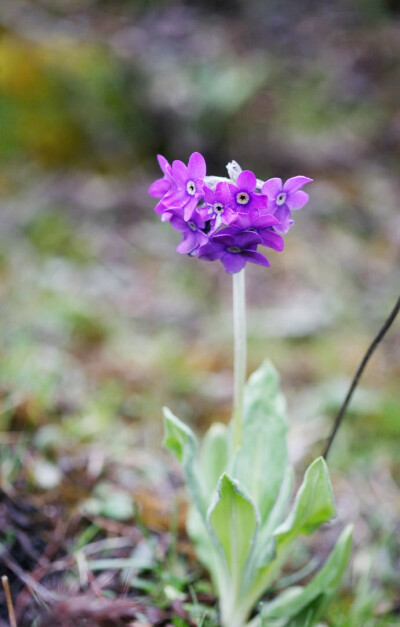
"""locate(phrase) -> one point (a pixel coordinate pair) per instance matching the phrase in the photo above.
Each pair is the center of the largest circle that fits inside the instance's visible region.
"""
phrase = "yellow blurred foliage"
(39, 121)
(20, 75)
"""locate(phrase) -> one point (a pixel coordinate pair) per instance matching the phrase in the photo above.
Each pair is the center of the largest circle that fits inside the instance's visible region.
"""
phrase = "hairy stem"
(387, 324)
(240, 353)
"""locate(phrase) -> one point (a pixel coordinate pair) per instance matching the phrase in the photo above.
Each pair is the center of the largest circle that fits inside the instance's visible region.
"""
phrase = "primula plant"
(240, 481)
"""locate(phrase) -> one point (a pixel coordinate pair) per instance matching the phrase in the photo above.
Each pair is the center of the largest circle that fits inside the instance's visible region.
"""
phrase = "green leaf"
(201, 538)
(181, 441)
(234, 519)
(214, 456)
(266, 541)
(313, 505)
(178, 437)
(310, 601)
(261, 461)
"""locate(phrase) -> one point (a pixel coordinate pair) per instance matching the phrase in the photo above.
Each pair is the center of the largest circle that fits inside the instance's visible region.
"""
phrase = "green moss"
(51, 233)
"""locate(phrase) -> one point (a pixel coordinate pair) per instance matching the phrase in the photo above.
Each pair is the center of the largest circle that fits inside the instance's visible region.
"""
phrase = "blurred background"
(102, 322)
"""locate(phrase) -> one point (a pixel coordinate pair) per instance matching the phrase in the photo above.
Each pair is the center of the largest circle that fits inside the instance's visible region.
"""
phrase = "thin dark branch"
(360, 370)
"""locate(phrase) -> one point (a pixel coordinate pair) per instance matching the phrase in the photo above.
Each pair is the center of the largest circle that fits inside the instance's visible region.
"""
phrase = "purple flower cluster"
(223, 218)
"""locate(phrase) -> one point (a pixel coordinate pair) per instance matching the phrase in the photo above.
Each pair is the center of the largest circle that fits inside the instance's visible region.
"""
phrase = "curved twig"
(387, 324)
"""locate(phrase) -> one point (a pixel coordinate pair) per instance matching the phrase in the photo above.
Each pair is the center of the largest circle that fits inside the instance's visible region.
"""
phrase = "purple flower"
(188, 184)
(163, 185)
(193, 234)
(226, 220)
(264, 227)
(216, 208)
(247, 220)
(243, 198)
(283, 198)
(234, 248)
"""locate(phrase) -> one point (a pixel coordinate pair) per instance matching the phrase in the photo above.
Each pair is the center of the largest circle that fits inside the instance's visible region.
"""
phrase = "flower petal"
(293, 184)
(244, 220)
(272, 187)
(178, 223)
(159, 187)
(179, 173)
(233, 262)
(224, 238)
(246, 180)
(258, 201)
(211, 251)
(297, 200)
(167, 215)
(222, 193)
(264, 221)
(188, 244)
(190, 208)
(271, 239)
(202, 238)
(283, 215)
(175, 198)
(209, 195)
(217, 223)
(197, 166)
(206, 212)
(160, 207)
(163, 163)
(255, 257)
(246, 239)
(229, 215)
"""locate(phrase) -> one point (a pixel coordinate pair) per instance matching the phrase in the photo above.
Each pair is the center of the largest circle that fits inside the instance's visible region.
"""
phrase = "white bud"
(234, 170)
(212, 181)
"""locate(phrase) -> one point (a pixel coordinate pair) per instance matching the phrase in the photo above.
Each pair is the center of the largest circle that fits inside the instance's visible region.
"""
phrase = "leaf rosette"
(240, 519)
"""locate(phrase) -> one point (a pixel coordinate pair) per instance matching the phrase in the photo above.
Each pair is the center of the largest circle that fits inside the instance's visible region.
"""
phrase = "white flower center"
(242, 198)
(192, 225)
(281, 199)
(218, 208)
(234, 249)
(191, 188)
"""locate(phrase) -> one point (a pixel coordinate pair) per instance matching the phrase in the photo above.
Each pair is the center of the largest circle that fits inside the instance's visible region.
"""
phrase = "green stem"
(240, 353)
